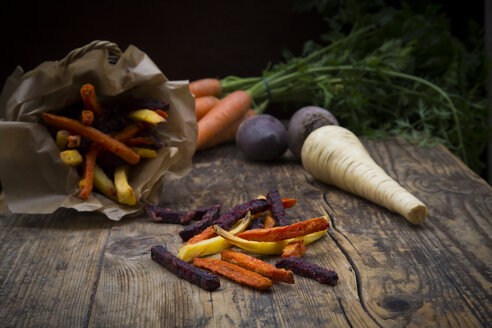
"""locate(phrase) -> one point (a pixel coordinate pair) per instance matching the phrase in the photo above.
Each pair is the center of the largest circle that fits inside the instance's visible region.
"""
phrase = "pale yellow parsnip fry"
(146, 115)
(71, 157)
(124, 191)
(334, 155)
(212, 245)
(104, 184)
(266, 247)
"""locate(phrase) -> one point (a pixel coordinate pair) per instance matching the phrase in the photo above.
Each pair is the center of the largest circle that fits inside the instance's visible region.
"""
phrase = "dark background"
(187, 39)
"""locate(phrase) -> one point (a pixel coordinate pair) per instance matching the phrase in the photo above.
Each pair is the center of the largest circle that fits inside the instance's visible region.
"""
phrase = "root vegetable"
(305, 121)
(229, 133)
(206, 87)
(335, 156)
(203, 105)
(228, 110)
(262, 138)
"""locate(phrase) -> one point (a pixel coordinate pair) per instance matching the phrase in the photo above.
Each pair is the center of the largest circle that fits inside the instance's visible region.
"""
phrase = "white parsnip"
(336, 156)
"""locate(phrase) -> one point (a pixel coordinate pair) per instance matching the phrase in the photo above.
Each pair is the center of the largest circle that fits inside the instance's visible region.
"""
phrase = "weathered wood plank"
(72, 269)
(434, 275)
(49, 268)
(220, 177)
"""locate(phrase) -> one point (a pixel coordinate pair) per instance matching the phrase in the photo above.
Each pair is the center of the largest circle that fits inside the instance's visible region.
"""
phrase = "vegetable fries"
(234, 228)
(108, 134)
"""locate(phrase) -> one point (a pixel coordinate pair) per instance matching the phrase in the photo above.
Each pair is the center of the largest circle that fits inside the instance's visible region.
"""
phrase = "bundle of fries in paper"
(105, 144)
(106, 133)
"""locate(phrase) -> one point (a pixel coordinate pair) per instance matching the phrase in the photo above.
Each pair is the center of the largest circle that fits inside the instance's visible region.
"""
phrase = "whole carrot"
(228, 110)
(229, 133)
(206, 87)
(204, 104)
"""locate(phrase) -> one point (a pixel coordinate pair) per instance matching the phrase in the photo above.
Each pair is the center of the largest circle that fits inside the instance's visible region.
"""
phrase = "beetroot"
(305, 121)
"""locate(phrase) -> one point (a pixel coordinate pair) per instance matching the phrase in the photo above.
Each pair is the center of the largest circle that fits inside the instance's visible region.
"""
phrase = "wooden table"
(74, 269)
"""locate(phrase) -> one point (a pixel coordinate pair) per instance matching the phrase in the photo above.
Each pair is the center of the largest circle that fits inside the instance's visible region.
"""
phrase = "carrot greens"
(379, 83)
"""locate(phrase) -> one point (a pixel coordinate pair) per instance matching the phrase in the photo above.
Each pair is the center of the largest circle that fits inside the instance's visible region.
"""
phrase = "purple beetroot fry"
(208, 219)
(227, 220)
(307, 269)
(191, 273)
(167, 215)
(277, 208)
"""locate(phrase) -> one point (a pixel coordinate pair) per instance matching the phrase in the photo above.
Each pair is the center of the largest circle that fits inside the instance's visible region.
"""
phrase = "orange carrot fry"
(128, 132)
(87, 117)
(203, 105)
(88, 94)
(234, 272)
(94, 135)
(253, 264)
(289, 202)
(206, 87)
(294, 248)
(269, 220)
(161, 113)
(228, 110)
(229, 133)
(89, 164)
(74, 141)
(291, 231)
(140, 141)
(205, 234)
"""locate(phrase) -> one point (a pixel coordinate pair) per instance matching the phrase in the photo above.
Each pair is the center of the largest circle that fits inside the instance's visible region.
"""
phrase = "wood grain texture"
(78, 269)
(49, 268)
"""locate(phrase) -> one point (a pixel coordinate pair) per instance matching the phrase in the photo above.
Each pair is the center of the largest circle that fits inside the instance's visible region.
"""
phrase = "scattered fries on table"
(236, 228)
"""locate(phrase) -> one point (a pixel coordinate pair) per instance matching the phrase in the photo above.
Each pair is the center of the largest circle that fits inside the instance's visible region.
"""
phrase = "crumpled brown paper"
(33, 177)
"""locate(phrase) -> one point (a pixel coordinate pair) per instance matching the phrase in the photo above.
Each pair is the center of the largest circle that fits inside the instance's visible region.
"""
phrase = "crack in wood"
(339, 299)
(464, 299)
(355, 269)
(98, 276)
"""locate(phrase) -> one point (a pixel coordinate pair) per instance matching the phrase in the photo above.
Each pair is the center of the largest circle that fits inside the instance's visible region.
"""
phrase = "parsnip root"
(334, 155)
